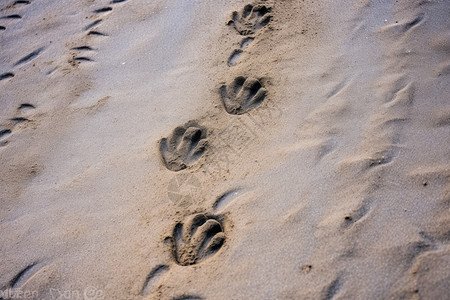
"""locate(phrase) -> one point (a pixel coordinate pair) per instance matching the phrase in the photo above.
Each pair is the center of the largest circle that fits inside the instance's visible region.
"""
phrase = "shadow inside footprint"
(199, 237)
(29, 57)
(186, 145)
(6, 76)
(4, 133)
(96, 33)
(242, 95)
(12, 17)
(233, 60)
(26, 106)
(21, 2)
(103, 10)
(92, 25)
(246, 42)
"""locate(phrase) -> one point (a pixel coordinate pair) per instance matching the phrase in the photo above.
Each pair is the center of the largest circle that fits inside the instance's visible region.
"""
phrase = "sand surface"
(200, 149)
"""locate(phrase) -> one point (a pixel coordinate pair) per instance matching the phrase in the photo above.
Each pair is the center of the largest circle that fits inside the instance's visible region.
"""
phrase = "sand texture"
(203, 149)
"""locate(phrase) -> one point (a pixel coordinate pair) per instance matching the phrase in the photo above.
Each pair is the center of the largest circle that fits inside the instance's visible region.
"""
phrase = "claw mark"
(152, 277)
(6, 76)
(242, 95)
(29, 57)
(117, 1)
(183, 147)
(95, 23)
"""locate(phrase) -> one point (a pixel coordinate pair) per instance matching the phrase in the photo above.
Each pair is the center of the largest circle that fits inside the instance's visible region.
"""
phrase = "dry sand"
(173, 149)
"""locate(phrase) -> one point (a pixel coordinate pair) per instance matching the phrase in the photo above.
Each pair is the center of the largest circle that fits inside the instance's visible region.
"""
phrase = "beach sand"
(200, 149)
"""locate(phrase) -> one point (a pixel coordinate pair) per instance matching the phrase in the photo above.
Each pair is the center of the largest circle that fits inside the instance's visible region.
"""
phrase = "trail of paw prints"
(25, 59)
(10, 18)
(244, 94)
(23, 113)
(5, 21)
(184, 147)
(192, 241)
(247, 23)
(92, 28)
(82, 54)
(28, 57)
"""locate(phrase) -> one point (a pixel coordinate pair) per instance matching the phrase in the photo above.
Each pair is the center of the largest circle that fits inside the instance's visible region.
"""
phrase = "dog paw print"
(242, 95)
(185, 146)
(198, 238)
(250, 19)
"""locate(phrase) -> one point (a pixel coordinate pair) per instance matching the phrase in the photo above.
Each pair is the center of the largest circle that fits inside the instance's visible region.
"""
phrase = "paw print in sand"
(186, 145)
(250, 19)
(242, 95)
(198, 238)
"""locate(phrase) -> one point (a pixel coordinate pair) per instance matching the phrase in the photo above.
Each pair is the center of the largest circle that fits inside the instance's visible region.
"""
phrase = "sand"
(225, 149)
